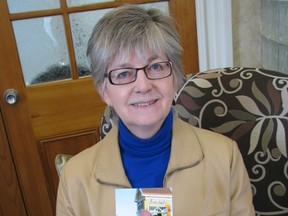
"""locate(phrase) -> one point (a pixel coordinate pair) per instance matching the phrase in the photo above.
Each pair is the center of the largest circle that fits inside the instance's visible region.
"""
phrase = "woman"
(135, 57)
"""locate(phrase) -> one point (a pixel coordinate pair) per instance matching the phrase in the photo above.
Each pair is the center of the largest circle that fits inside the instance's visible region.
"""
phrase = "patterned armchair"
(251, 106)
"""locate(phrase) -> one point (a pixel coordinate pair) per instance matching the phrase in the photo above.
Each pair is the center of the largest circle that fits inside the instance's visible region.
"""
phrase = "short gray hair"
(131, 28)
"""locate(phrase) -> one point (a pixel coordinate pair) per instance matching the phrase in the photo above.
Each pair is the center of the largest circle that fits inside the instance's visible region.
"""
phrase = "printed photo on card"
(144, 202)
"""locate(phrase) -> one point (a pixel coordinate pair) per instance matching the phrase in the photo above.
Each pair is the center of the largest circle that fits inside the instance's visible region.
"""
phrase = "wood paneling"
(70, 144)
(64, 107)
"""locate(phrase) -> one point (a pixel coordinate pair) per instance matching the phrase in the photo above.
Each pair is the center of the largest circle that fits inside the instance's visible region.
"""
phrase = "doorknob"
(11, 96)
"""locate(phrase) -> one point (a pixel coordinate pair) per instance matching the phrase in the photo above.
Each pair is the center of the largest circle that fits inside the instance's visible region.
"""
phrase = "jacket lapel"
(186, 150)
(109, 169)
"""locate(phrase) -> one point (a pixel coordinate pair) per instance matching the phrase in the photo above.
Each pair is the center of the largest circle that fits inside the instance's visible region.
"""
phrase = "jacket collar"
(186, 152)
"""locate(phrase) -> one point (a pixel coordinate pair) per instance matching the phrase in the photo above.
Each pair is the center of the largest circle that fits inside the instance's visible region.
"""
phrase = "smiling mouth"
(144, 103)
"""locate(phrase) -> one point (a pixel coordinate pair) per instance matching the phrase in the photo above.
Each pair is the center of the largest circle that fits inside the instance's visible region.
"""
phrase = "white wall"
(246, 21)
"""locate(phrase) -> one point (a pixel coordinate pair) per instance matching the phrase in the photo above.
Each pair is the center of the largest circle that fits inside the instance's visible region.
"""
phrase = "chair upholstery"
(249, 105)
(60, 161)
(106, 122)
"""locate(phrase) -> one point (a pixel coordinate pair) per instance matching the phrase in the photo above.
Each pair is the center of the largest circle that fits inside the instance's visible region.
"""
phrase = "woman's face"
(144, 104)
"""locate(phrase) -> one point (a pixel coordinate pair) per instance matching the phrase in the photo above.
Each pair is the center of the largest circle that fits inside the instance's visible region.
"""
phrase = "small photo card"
(144, 202)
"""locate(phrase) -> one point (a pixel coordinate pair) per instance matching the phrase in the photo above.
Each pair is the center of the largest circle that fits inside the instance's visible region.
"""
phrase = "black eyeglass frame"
(107, 75)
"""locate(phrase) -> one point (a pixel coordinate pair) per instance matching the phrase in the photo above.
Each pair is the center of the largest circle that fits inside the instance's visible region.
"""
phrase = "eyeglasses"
(123, 76)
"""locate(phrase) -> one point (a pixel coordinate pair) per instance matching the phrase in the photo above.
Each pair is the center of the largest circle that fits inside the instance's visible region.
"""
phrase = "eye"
(123, 74)
(156, 67)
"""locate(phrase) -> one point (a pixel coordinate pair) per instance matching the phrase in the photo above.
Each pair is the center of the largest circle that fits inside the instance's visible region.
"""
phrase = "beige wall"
(246, 26)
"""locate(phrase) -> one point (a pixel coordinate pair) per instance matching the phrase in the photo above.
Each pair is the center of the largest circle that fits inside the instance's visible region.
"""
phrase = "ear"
(106, 98)
(102, 90)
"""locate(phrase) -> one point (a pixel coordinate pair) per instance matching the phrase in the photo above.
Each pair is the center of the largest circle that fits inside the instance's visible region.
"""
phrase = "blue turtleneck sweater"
(145, 160)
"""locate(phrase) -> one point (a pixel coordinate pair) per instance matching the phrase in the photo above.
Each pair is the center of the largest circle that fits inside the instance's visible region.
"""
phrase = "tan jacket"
(205, 171)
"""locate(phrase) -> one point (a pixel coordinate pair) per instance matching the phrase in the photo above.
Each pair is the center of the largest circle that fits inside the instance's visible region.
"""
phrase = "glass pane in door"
(72, 3)
(163, 6)
(17, 6)
(42, 49)
(82, 25)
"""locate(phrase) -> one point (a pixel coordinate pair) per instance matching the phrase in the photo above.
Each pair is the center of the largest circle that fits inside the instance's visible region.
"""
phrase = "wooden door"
(11, 200)
(64, 116)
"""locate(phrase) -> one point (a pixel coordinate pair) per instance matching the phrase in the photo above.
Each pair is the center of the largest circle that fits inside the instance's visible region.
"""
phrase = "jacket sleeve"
(240, 187)
(63, 205)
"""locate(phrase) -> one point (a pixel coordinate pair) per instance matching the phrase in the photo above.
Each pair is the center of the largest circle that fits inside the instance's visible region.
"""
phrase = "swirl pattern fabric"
(250, 105)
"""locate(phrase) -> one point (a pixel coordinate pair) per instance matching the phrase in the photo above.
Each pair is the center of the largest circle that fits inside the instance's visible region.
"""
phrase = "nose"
(142, 83)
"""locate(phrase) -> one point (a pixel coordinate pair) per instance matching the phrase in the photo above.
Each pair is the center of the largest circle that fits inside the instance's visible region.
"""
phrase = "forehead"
(144, 56)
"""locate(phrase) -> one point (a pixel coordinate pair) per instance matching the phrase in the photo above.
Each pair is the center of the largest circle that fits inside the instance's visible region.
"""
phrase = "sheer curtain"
(214, 29)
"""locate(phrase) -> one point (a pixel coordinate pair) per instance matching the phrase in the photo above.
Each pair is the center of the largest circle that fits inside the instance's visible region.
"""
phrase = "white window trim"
(214, 32)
